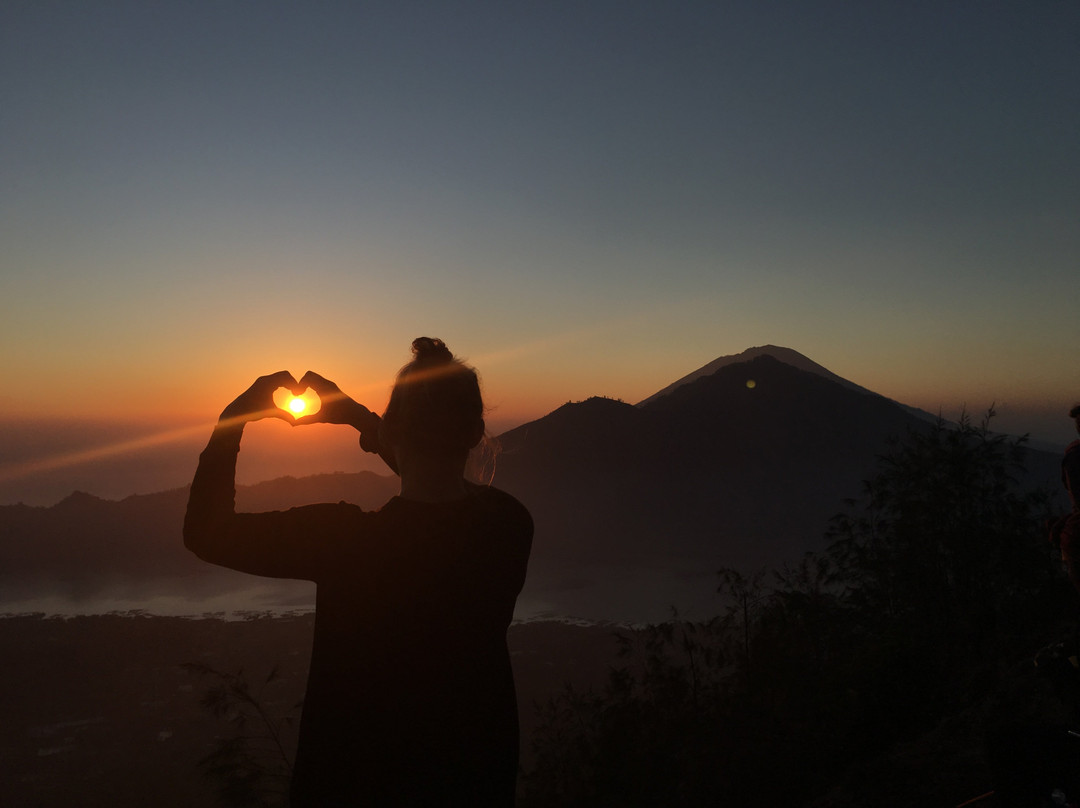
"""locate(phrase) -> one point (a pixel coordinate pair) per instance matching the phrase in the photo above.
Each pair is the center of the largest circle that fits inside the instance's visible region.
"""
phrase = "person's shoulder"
(496, 499)
(492, 494)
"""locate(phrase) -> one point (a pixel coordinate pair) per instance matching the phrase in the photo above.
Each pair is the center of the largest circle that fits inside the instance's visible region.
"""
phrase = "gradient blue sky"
(583, 198)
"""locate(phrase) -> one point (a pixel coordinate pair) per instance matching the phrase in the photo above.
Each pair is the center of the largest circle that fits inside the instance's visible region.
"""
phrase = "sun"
(305, 404)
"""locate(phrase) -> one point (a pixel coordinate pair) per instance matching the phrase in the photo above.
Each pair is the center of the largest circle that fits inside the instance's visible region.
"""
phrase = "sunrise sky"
(581, 198)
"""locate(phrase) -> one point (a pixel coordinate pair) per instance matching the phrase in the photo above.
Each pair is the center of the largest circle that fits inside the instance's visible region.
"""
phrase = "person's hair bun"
(429, 349)
(435, 405)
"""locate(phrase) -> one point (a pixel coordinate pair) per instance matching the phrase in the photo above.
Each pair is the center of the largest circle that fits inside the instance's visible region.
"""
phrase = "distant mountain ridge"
(636, 506)
(85, 546)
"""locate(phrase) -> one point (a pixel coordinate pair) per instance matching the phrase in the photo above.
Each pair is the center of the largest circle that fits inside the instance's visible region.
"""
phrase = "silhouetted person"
(1066, 531)
(410, 698)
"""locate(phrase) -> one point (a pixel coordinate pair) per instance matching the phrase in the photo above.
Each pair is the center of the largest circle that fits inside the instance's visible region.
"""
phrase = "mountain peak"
(77, 499)
(788, 356)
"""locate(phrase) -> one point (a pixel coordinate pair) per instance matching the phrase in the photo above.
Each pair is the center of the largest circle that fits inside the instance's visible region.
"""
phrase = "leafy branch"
(252, 766)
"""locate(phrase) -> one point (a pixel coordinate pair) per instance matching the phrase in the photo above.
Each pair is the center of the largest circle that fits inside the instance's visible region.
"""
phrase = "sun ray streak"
(63, 460)
(29, 468)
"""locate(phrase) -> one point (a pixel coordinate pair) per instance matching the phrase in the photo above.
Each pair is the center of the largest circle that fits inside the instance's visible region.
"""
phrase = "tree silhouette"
(936, 578)
(944, 545)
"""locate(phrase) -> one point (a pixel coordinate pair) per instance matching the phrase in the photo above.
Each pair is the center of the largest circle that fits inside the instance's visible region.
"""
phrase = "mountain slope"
(712, 471)
(742, 467)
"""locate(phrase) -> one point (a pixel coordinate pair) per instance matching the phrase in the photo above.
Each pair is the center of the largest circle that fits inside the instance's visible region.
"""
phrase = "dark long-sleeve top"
(410, 696)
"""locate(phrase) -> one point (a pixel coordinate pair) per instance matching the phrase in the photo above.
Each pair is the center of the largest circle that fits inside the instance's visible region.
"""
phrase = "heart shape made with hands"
(306, 403)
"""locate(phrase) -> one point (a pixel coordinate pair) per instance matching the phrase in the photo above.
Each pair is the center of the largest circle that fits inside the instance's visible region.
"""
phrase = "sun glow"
(306, 403)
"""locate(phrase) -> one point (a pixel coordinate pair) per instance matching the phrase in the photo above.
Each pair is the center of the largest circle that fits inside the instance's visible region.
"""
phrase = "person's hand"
(337, 407)
(258, 400)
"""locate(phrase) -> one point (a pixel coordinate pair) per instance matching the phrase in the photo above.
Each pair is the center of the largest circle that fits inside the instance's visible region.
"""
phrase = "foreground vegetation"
(929, 604)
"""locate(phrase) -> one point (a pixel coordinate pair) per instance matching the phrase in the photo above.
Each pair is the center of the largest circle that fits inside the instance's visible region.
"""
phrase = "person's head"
(435, 408)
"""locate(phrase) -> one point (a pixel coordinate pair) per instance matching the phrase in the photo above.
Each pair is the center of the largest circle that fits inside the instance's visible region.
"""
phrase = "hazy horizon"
(47, 459)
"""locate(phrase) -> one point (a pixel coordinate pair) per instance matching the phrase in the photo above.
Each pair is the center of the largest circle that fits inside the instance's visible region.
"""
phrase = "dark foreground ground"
(105, 710)
(101, 711)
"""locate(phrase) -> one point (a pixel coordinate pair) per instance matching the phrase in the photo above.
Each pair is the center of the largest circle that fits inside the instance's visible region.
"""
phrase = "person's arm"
(339, 408)
(211, 502)
(262, 544)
